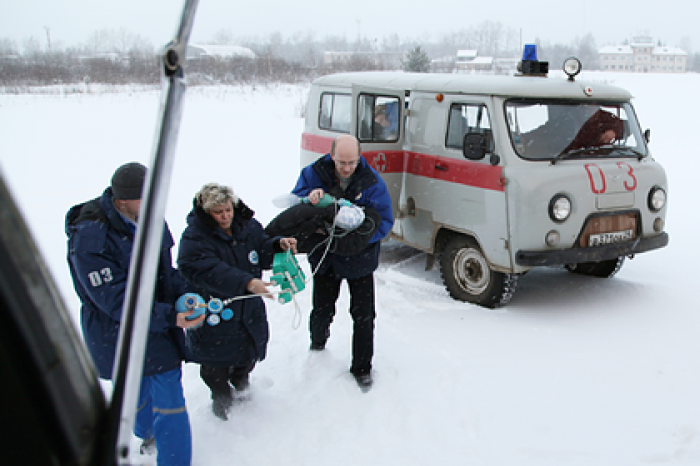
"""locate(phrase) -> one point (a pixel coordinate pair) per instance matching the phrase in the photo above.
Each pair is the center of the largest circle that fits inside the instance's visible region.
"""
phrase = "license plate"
(609, 238)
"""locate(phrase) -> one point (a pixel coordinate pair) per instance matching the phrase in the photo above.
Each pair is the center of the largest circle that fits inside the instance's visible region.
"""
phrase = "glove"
(190, 301)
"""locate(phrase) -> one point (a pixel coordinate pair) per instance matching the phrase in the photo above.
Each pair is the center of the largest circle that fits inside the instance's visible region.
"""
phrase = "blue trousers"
(161, 414)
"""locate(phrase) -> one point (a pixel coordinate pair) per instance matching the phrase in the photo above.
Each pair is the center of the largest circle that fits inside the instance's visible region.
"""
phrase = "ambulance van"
(492, 176)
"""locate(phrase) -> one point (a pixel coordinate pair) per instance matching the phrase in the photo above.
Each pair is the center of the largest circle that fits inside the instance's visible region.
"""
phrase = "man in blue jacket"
(100, 240)
(344, 173)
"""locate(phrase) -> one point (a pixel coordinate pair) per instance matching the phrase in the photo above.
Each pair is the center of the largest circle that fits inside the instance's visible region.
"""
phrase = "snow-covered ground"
(574, 371)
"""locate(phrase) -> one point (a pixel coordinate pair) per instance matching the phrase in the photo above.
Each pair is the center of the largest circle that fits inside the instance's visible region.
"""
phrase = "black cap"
(127, 181)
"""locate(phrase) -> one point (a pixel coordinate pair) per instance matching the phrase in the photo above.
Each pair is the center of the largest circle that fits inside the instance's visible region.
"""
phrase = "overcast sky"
(72, 21)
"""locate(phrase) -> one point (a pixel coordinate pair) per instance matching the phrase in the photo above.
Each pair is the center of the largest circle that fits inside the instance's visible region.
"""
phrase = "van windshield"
(556, 130)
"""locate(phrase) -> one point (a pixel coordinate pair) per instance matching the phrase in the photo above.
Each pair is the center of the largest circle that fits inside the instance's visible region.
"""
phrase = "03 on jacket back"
(99, 252)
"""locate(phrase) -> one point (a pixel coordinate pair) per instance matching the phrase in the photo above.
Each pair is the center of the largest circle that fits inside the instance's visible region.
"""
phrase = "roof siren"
(529, 65)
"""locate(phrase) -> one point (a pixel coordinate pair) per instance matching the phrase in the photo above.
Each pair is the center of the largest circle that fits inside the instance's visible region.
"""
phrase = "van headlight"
(559, 208)
(657, 199)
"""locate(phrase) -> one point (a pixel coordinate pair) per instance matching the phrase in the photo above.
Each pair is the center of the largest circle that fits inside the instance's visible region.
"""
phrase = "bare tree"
(336, 44)
(122, 40)
(48, 38)
(587, 51)
(223, 37)
(687, 44)
(391, 43)
(8, 47)
(97, 42)
(31, 47)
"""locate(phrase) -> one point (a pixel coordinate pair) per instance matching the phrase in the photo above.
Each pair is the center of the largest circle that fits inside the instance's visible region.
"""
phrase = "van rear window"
(336, 112)
(378, 118)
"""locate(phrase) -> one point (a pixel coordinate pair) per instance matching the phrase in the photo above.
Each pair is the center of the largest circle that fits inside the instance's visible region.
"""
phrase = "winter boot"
(221, 406)
(317, 346)
(364, 380)
(148, 447)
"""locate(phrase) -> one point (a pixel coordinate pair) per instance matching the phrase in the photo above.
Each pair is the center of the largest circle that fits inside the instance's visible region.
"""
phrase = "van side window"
(378, 118)
(335, 112)
(465, 119)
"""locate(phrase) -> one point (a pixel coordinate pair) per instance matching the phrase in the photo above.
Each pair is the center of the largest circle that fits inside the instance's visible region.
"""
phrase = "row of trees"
(118, 56)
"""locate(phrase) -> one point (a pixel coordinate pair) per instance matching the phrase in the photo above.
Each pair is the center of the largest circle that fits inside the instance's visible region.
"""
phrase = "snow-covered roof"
(468, 54)
(611, 49)
(222, 50)
(485, 85)
(668, 51)
(627, 50)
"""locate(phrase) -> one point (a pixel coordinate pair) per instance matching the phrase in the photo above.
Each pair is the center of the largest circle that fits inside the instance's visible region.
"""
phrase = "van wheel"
(602, 269)
(467, 275)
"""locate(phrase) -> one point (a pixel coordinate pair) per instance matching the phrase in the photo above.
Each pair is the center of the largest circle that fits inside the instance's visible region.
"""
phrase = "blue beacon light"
(529, 65)
(530, 52)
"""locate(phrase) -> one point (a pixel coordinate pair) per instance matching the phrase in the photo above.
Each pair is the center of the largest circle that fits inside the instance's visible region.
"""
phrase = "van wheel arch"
(467, 275)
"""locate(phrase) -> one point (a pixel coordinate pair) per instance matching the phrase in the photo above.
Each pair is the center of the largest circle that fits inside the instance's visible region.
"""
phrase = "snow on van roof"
(506, 86)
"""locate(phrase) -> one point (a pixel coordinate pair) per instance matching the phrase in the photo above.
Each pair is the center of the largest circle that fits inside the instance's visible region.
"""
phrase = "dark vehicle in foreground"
(54, 411)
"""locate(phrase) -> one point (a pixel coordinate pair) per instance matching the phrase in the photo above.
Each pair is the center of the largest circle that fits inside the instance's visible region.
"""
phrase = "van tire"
(602, 269)
(468, 277)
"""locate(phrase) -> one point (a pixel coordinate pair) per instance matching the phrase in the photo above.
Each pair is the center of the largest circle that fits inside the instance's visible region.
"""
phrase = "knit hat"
(127, 181)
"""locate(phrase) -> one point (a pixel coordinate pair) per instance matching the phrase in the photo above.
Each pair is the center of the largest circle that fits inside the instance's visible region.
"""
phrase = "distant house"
(469, 62)
(506, 65)
(218, 51)
(443, 64)
(466, 55)
(642, 56)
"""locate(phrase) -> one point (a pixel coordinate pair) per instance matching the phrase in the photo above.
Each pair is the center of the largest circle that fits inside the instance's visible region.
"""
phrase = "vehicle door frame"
(388, 158)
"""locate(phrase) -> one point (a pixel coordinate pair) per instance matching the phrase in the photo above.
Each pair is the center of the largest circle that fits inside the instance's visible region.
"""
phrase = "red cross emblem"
(379, 162)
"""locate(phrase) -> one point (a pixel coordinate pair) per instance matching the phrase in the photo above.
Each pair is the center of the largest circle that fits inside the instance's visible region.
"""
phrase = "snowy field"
(574, 371)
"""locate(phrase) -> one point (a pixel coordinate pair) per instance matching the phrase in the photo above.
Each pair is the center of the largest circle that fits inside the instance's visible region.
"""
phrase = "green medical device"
(287, 275)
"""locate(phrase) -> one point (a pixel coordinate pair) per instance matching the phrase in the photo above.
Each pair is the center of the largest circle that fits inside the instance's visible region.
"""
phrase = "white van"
(495, 175)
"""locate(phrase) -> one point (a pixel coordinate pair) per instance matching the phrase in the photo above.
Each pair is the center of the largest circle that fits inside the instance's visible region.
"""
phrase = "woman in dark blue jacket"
(222, 253)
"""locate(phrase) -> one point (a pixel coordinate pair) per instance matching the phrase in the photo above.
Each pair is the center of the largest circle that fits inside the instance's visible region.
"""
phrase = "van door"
(474, 186)
(446, 190)
(378, 116)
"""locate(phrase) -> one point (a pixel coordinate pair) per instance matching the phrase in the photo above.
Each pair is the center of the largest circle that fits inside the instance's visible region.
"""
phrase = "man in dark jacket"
(223, 252)
(100, 241)
(344, 173)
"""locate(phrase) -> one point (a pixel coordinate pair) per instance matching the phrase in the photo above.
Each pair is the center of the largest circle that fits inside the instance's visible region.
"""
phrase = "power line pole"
(48, 37)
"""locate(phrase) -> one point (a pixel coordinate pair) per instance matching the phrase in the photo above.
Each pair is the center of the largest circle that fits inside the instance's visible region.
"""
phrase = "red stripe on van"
(318, 144)
(466, 172)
